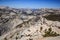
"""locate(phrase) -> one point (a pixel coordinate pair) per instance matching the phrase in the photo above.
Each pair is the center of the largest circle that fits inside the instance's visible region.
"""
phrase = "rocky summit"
(29, 24)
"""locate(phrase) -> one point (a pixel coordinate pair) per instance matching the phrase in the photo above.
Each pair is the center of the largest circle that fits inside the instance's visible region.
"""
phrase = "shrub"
(49, 33)
(5, 38)
(53, 17)
(41, 29)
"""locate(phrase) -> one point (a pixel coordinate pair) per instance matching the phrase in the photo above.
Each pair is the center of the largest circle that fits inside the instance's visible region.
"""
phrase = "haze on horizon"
(31, 3)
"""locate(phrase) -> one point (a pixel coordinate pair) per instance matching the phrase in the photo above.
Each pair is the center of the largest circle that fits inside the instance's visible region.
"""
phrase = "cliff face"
(17, 24)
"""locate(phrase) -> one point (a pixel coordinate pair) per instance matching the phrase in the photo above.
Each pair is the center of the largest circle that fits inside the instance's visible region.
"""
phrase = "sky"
(31, 3)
